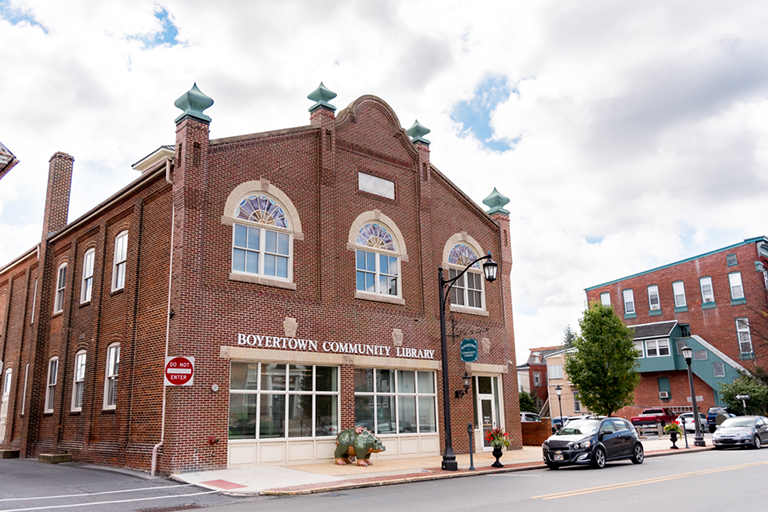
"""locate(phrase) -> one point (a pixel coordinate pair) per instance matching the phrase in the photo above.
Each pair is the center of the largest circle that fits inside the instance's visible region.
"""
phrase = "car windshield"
(579, 427)
(737, 422)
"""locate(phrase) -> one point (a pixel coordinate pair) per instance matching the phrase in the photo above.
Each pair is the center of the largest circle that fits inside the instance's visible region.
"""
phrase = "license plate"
(558, 456)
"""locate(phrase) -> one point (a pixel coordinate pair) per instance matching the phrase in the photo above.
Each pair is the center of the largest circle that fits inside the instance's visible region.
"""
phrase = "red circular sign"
(179, 371)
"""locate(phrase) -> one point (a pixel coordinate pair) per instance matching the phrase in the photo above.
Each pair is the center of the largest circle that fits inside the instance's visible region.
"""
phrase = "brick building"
(714, 303)
(536, 367)
(298, 267)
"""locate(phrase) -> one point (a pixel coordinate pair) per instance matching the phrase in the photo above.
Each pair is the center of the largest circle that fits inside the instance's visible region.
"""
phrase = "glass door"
(486, 390)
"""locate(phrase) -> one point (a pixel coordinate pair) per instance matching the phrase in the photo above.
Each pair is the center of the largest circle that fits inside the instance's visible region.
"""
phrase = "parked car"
(593, 442)
(714, 412)
(741, 431)
(529, 417)
(557, 422)
(653, 416)
(686, 420)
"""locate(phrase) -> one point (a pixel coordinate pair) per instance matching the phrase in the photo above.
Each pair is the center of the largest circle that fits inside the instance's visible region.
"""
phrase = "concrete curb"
(442, 475)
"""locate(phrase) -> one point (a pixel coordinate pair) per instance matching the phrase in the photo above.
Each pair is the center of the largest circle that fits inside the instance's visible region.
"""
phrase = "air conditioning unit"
(663, 394)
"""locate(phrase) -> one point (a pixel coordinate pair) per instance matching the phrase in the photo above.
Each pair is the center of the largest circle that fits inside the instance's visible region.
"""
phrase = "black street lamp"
(489, 269)
(698, 439)
(559, 392)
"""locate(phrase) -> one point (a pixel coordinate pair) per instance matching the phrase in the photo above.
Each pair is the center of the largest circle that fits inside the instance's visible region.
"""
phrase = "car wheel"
(598, 458)
(756, 443)
(638, 456)
(552, 466)
(712, 430)
(718, 447)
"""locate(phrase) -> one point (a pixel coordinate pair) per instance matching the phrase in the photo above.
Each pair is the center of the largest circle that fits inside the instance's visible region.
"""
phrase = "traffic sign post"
(179, 371)
(743, 399)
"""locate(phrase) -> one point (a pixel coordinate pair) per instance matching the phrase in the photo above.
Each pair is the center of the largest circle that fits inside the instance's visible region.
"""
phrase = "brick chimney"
(57, 196)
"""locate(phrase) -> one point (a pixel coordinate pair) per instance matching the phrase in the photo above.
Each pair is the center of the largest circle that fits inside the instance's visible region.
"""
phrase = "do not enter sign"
(179, 371)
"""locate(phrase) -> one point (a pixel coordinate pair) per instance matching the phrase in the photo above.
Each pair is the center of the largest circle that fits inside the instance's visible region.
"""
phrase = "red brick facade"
(180, 232)
(713, 321)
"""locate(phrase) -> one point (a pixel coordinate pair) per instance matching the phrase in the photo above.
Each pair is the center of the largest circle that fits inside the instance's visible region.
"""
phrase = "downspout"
(167, 318)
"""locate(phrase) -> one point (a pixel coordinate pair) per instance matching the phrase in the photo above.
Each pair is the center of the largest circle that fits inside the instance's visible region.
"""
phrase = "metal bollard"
(471, 446)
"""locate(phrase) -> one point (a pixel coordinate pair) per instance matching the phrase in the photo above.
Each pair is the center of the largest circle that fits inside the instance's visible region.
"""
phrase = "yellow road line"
(567, 494)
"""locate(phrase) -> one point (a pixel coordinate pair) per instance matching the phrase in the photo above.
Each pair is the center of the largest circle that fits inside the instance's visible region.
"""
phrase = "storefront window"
(383, 408)
(309, 407)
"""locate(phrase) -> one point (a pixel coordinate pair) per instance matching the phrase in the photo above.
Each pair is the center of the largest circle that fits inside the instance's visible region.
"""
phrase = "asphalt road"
(730, 479)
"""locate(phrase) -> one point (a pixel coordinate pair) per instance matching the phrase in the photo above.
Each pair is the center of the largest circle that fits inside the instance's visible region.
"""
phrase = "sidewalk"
(327, 476)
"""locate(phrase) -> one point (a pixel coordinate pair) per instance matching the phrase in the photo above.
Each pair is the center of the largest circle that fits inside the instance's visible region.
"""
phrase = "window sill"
(469, 311)
(708, 305)
(48, 413)
(746, 355)
(736, 302)
(681, 309)
(629, 316)
(57, 313)
(75, 412)
(378, 297)
(111, 410)
(655, 312)
(265, 281)
(116, 292)
(86, 303)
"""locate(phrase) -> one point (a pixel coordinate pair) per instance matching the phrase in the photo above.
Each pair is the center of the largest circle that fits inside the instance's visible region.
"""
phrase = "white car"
(687, 419)
(529, 417)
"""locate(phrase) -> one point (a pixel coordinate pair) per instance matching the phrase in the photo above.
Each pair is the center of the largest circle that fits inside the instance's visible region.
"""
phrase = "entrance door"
(487, 395)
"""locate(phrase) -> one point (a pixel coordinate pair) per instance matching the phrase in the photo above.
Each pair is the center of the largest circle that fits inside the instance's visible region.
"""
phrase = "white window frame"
(377, 271)
(707, 291)
(262, 250)
(111, 377)
(537, 379)
(78, 381)
(86, 286)
(736, 286)
(61, 286)
(50, 388)
(460, 290)
(640, 345)
(629, 302)
(120, 261)
(555, 371)
(678, 290)
(7, 382)
(653, 348)
(653, 292)
(605, 298)
(743, 335)
(576, 402)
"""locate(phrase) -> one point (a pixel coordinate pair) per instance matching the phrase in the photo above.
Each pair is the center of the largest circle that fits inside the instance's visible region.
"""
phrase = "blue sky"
(626, 135)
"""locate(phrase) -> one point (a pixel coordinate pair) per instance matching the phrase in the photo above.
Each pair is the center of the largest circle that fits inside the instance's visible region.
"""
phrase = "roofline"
(19, 259)
(745, 242)
(719, 353)
(572, 349)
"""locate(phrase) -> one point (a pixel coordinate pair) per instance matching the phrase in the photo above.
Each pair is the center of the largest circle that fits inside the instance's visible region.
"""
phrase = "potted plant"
(673, 429)
(498, 440)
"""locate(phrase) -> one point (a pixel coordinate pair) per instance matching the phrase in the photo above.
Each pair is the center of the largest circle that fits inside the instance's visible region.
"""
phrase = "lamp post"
(698, 439)
(559, 392)
(490, 268)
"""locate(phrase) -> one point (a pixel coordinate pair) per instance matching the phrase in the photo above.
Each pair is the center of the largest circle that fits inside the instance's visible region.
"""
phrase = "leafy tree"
(754, 385)
(568, 337)
(604, 366)
(527, 403)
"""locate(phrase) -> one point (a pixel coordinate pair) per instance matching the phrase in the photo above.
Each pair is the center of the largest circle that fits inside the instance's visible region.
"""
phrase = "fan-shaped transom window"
(467, 290)
(261, 248)
(377, 271)
(263, 210)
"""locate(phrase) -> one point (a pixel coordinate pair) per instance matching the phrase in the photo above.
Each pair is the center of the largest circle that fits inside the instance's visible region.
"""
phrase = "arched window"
(86, 286)
(78, 381)
(61, 283)
(120, 260)
(261, 239)
(110, 376)
(50, 390)
(377, 262)
(468, 292)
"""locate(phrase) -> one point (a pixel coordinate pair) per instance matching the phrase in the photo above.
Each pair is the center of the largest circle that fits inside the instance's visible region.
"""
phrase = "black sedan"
(593, 442)
(741, 431)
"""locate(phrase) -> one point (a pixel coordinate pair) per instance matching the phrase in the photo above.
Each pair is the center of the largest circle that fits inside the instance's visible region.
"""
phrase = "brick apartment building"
(298, 267)
(536, 368)
(714, 303)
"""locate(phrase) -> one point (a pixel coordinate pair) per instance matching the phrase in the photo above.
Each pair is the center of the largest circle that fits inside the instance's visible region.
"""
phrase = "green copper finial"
(417, 133)
(321, 96)
(193, 102)
(496, 202)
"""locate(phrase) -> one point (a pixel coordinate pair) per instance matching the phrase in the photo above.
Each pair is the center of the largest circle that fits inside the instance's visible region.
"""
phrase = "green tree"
(527, 403)
(568, 337)
(753, 385)
(604, 366)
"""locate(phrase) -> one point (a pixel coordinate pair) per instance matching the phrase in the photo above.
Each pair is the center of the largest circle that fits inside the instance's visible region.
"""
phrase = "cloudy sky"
(626, 134)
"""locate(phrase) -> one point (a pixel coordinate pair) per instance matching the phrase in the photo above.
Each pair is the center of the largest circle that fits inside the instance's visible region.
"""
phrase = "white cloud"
(643, 125)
